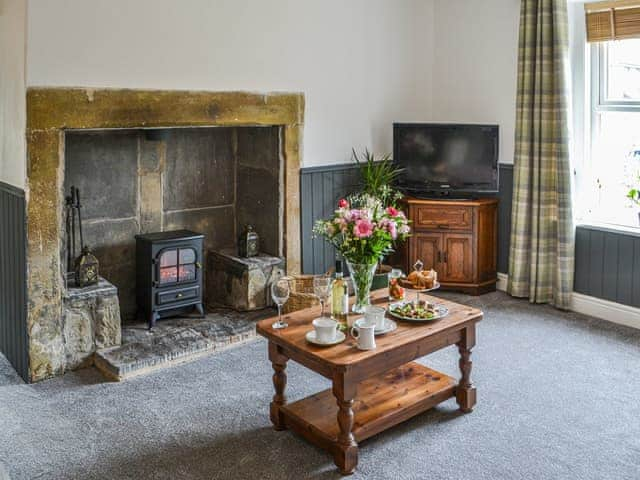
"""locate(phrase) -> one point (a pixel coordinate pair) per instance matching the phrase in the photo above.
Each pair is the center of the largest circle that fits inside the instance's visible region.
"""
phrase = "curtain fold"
(542, 237)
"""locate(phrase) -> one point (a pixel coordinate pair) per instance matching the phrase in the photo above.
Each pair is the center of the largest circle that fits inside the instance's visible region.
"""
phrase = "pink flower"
(391, 226)
(404, 229)
(342, 203)
(392, 211)
(363, 228)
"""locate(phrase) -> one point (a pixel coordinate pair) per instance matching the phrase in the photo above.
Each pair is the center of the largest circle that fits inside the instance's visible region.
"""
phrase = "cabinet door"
(457, 263)
(428, 249)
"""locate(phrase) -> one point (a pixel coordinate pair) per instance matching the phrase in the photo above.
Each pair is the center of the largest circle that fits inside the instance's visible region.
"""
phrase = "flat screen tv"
(446, 159)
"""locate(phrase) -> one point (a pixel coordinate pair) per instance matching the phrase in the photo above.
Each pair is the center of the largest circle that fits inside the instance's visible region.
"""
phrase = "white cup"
(325, 329)
(365, 335)
(375, 315)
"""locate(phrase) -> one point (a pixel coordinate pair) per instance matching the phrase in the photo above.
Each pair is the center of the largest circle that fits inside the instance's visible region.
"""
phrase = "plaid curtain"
(542, 236)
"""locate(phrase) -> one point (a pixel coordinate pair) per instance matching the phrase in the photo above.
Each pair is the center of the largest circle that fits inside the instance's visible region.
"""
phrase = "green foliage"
(634, 192)
(378, 176)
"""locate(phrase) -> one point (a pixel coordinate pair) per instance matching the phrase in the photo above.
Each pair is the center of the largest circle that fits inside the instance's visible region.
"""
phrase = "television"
(446, 159)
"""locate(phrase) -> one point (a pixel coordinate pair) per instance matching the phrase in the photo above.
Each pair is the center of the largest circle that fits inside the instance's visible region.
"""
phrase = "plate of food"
(420, 280)
(417, 311)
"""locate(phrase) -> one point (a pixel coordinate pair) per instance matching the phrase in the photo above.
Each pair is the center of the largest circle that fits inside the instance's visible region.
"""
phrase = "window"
(614, 161)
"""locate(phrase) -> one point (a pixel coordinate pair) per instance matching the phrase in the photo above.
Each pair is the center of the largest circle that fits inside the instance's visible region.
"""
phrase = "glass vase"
(361, 276)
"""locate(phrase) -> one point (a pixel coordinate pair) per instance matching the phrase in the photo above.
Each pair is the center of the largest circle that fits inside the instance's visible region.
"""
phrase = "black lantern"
(248, 242)
(86, 269)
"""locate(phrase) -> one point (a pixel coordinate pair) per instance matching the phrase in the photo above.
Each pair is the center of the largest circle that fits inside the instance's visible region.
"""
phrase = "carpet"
(558, 398)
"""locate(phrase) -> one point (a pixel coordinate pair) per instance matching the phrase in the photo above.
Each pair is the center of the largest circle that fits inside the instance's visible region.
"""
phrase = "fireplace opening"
(209, 180)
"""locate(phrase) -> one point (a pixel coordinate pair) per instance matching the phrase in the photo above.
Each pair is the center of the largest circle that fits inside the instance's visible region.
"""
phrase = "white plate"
(441, 312)
(389, 326)
(311, 338)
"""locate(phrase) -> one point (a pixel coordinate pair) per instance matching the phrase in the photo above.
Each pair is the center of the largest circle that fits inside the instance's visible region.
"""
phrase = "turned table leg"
(279, 364)
(465, 391)
(346, 451)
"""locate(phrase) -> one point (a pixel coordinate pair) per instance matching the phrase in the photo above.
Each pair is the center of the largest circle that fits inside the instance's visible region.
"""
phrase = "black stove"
(169, 273)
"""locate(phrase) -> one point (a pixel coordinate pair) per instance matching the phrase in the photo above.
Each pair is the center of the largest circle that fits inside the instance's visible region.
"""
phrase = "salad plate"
(417, 311)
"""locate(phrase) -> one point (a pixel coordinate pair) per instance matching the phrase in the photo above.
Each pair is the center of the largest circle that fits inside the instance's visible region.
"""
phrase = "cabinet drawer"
(435, 217)
(178, 295)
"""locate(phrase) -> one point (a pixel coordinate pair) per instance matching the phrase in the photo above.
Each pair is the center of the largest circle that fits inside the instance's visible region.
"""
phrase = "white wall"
(12, 91)
(475, 64)
(361, 63)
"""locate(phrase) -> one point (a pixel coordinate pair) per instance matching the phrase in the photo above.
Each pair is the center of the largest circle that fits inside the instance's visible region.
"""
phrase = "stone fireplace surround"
(53, 112)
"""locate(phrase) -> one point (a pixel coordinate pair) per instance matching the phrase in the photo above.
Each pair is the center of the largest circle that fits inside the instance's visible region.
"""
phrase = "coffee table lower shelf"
(381, 402)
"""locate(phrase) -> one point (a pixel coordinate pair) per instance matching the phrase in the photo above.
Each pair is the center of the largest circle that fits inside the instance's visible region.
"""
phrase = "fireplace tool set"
(85, 266)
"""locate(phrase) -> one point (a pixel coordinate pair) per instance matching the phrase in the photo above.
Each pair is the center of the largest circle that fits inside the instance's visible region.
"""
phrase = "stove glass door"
(177, 265)
(187, 272)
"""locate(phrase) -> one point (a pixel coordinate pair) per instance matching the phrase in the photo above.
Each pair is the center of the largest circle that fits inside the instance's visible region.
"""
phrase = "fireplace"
(169, 273)
(144, 203)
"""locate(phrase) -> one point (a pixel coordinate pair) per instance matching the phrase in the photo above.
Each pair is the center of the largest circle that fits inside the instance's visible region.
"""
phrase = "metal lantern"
(248, 242)
(86, 269)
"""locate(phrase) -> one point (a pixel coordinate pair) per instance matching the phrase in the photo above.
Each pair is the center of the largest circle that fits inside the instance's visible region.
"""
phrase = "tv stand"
(457, 238)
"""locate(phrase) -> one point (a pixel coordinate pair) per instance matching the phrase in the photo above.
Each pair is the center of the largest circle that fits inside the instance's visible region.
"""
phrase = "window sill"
(604, 227)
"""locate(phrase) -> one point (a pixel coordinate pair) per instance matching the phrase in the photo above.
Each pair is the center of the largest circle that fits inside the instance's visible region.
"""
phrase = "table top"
(346, 353)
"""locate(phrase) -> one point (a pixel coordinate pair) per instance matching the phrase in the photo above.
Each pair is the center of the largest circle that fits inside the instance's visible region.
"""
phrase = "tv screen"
(446, 157)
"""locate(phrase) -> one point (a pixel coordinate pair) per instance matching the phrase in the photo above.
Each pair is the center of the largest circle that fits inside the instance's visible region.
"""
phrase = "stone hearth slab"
(176, 340)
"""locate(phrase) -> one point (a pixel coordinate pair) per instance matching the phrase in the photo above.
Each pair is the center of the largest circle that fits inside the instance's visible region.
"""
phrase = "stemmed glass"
(418, 266)
(280, 291)
(322, 290)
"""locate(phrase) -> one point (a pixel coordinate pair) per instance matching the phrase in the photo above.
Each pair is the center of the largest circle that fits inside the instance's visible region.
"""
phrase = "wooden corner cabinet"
(457, 238)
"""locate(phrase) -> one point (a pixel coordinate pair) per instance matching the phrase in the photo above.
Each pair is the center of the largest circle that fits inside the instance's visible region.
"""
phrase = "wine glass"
(418, 266)
(322, 290)
(280, 291)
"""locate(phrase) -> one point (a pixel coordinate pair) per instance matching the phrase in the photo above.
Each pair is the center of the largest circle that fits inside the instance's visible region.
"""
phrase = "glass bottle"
(339, 296)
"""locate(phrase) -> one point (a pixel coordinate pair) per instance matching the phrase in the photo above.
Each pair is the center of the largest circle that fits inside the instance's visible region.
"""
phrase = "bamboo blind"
(612, 20)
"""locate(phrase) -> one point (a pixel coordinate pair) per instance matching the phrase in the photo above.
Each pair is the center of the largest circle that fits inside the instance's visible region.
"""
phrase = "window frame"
(595, 94)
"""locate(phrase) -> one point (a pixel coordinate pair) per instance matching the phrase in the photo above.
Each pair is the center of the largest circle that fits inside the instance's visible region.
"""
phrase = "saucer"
(389, 326)
(311, 338)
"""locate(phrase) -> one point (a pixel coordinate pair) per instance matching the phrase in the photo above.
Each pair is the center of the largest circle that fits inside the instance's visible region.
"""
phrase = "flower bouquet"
(363, 230)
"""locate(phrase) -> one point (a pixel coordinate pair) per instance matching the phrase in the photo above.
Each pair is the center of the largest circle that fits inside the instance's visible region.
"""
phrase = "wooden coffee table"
(372, 390)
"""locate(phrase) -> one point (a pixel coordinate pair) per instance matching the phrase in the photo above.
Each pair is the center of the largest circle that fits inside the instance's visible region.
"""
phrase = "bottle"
(339, 297)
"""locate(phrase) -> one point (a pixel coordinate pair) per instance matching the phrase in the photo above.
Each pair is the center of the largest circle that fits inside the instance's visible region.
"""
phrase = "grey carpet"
(559, 398)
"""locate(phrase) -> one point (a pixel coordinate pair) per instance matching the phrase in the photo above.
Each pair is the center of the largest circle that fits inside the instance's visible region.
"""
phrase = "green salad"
(410, 310)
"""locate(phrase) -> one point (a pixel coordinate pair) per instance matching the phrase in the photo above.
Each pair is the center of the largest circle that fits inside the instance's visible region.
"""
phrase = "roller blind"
(612, 20)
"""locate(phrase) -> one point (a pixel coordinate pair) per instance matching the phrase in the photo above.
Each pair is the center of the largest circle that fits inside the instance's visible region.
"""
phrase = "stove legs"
(153, 318)
(200, 310)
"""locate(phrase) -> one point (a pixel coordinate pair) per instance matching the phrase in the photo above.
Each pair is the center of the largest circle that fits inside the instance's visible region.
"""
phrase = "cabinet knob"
(446, 257)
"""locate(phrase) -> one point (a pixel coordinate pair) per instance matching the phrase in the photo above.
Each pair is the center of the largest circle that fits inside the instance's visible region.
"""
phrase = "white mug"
(365, 335)
(375, 315)
(325, 329)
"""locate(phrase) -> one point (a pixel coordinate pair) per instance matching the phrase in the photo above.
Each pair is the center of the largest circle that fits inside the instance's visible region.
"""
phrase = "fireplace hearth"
(169, 273)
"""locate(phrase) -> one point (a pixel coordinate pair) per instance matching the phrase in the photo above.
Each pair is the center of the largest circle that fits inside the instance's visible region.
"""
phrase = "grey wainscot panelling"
(13, 329)
(608, 264)
(504, 216)
(320, 190)
(321, 187)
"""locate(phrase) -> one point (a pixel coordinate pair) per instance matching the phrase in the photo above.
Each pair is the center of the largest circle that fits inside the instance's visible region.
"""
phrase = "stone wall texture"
(91, 321)
(209, 180)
